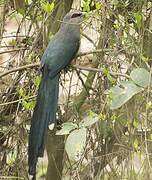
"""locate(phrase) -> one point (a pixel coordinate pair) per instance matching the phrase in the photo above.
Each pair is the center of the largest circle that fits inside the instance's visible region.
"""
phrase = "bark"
(61, 8)
(55, 150)
(150, 39)
(2, 19)
(18, 4)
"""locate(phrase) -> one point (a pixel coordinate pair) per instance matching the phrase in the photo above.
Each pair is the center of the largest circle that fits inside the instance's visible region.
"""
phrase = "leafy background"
(103, 128)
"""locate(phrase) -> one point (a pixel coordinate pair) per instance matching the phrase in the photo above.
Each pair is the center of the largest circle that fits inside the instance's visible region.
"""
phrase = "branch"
(99, 70)
(37, 64)
(89, 39)
(12, 50)
(12, 102)
(19, 69)
(93, 51)
(75, 66)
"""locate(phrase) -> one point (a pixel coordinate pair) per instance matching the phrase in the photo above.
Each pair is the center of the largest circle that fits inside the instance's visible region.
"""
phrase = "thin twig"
(146, 120)
(13, 36)
(94, 51)
(12, 50)
(99, 70)
(89, 39)
(19, 69)
(12, 102)
(86, 88)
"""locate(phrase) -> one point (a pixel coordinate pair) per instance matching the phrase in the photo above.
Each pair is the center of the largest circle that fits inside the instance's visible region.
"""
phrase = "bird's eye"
(76, 15)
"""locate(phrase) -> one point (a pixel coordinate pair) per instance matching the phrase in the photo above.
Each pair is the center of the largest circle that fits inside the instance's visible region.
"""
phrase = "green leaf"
(30, 104)
(122, 93)
(115, 26)
(32, 57)
(115, 2)
(105, 71)
(66, 128)
(24, 103)
(111, 79)
(138, 19)
(26, 3)
(14, 42)
(43, 5)
(13, 15)
(140, 76)
(28, 94)
(50, 35)
(110, 95)
(135, 144)
(151, 136)
(21, 11)
(11, 157)
(86, 7)
(75, 143)
(91, 113)
(148, 105)
(48, 7)
(37, 81)
(89, 120)
(21, 92)
(102, 116)
(52, 6)
(97, 6)
(92, 3)
(135, 124)
(145, 59)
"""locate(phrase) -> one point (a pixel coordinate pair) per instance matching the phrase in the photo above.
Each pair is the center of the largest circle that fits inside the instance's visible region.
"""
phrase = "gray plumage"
(58, 54)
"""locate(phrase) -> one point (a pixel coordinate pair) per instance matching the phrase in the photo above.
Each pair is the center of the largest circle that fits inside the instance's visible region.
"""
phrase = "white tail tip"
(51, 126)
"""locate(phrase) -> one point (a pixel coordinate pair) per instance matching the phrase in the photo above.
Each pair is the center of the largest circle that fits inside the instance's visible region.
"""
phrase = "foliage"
(124, 91)
(47, 7)
(76, 141)
(106, 115)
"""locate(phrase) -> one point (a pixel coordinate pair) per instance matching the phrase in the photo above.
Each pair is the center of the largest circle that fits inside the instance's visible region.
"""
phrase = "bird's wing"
(58, 55)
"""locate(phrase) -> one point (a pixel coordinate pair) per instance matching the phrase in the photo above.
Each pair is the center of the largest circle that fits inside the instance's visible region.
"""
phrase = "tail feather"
(44, 114)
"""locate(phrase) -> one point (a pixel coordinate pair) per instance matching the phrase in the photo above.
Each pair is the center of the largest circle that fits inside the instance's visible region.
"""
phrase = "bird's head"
(74, 17)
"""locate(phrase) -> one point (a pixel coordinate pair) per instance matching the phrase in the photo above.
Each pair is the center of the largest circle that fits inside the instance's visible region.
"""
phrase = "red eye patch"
(75, 15)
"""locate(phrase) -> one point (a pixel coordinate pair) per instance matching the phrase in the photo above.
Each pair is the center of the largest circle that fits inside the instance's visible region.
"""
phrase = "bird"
(59, 53)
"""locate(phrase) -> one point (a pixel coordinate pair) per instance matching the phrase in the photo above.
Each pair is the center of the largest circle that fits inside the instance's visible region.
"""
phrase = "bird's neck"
(72, 29)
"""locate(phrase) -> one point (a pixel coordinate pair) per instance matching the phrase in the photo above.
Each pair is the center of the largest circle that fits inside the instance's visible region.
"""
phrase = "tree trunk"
(55, 150)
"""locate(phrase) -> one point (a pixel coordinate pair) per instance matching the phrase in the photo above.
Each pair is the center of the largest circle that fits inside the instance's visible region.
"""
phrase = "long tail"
(44, 114)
